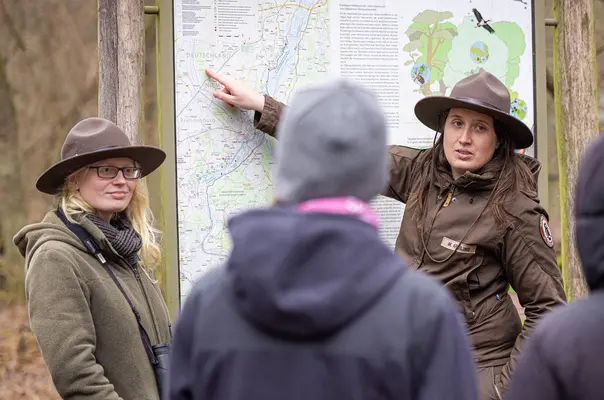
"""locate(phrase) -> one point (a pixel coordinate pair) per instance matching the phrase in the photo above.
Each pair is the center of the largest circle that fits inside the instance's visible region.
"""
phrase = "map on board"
(403, 50)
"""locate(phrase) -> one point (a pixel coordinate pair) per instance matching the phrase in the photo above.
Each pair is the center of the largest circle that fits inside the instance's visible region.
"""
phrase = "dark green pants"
(489, 383)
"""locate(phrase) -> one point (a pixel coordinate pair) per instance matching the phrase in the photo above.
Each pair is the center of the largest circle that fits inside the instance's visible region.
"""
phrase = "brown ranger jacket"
(491, 258)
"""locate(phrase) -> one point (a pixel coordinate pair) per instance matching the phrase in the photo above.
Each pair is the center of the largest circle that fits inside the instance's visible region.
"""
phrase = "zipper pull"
(448, 200)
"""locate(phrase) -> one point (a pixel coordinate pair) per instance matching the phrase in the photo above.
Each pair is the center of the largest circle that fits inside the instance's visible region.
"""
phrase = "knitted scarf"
(122, 236)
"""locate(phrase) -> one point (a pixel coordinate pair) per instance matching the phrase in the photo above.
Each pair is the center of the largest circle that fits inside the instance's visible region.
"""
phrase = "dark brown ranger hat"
(481, 92)
(91, 140)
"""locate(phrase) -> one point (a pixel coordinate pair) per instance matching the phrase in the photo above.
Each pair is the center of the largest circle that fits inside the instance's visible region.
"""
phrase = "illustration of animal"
(419, 73)
(482, 23)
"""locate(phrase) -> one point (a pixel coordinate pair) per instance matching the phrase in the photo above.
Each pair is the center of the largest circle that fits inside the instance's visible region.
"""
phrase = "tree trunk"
(131, 62)
(108, 67)
(121, 63)
(575, 82)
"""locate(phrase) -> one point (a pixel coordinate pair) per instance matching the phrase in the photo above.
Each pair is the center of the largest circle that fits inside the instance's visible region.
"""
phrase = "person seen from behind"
(564, 358)
(311, 304)
(84, 322)
(472, 217)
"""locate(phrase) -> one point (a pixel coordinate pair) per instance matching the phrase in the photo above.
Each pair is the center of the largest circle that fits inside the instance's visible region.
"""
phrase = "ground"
(23, 374)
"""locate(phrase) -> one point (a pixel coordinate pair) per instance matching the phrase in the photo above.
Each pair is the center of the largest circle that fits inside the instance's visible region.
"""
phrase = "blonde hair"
(138, 212)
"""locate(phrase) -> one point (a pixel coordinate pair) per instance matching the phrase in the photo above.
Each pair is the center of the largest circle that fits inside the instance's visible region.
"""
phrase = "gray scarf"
(122, 236)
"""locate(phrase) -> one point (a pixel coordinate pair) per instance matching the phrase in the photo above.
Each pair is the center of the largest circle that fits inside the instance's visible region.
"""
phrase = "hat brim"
(149, 159)
(429, 109)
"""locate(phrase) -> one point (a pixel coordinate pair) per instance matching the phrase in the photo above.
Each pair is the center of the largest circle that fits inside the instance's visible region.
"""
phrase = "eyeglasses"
(109, 172)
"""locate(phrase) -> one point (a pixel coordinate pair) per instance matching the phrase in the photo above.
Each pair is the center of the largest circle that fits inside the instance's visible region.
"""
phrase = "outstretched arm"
(237, 94)
(268, 112)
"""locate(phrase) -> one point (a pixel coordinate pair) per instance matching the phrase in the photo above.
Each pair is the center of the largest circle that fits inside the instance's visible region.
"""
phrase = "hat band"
(480, 103)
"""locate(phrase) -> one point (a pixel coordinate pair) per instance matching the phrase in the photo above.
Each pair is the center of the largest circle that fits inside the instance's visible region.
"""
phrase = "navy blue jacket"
(316, 306)
(564, 358)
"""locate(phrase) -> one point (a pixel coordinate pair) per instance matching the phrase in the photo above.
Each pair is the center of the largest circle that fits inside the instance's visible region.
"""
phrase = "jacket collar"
(486, 178)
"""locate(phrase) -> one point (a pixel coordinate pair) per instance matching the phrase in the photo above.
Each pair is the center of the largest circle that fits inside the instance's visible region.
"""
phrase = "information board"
(403, 50)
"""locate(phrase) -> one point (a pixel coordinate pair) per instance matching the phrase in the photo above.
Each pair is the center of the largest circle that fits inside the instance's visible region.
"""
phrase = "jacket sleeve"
(449, 371)
(403, 169)
(532, 270)
(60, 318)
(534, 377)
(268, 119)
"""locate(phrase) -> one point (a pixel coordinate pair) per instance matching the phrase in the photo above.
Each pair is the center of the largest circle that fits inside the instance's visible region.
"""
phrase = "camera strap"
(94, 249)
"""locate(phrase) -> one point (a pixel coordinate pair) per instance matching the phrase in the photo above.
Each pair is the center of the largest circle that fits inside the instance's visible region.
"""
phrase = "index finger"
(219, 78)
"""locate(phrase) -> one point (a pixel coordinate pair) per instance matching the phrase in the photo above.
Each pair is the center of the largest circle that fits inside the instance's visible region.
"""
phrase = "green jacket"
(86, 331)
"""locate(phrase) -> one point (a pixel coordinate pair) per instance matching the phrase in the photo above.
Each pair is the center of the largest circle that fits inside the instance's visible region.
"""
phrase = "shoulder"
(57, 252)
(530, 219)
(404, 152)
(567, 324)
(55, 260)
(206, 288)
(575, 326)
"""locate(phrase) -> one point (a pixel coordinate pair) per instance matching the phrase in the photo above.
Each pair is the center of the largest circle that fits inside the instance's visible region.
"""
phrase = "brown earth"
(23, 374)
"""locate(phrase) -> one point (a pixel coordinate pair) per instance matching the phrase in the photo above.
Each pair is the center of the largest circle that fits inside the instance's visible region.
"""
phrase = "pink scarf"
(343, 206)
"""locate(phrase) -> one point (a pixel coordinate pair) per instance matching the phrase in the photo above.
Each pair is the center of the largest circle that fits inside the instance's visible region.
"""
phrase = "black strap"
(95, 250)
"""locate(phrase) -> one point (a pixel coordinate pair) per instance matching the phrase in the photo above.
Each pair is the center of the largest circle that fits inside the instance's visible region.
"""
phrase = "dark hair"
(511, 172)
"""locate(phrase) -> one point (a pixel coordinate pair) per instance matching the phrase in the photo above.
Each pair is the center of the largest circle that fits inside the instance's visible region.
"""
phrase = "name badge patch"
(461, 247)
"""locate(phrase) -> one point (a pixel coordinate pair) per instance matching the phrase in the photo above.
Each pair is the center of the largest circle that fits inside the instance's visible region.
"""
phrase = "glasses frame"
(140, 172)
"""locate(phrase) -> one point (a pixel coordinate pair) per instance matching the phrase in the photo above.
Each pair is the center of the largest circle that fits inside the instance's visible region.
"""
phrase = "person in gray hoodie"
(311, 303)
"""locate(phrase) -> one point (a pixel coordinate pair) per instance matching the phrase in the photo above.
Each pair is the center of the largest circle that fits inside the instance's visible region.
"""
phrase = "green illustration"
(429, 42)
(442, 53)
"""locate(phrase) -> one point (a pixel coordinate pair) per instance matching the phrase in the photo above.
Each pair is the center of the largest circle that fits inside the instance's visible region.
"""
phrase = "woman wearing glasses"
(93, 308)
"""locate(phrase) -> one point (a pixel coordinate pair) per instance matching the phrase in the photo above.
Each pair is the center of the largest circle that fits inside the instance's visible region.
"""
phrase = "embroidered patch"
(453, 244)
(546, 233)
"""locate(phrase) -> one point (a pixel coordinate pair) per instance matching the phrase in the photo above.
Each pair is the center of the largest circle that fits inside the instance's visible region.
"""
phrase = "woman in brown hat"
(93, 305)
(472, 219)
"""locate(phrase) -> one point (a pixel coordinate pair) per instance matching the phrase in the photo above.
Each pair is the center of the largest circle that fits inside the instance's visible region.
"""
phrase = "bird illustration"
(482, 22)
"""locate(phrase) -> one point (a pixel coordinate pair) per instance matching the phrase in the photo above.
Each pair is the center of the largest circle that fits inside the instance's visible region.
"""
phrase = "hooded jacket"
(86, 331)
(487, 261)
(564, 358)
(315, 306)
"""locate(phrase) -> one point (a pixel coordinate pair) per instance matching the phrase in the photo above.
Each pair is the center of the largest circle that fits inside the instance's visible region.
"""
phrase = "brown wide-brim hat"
(481, 92)
(92, 140)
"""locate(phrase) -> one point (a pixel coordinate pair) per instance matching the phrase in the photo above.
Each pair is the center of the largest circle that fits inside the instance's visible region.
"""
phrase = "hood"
(32, 236)
(589, 214)
(534, 166)
(305, 276)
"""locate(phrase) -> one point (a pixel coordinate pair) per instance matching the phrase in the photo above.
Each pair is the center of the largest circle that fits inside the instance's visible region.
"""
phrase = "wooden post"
(121, 63)
(131, 63)
(108, 80)
(575, 83)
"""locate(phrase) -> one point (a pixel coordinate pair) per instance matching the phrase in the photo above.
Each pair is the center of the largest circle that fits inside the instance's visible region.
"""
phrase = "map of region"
(223, 164)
